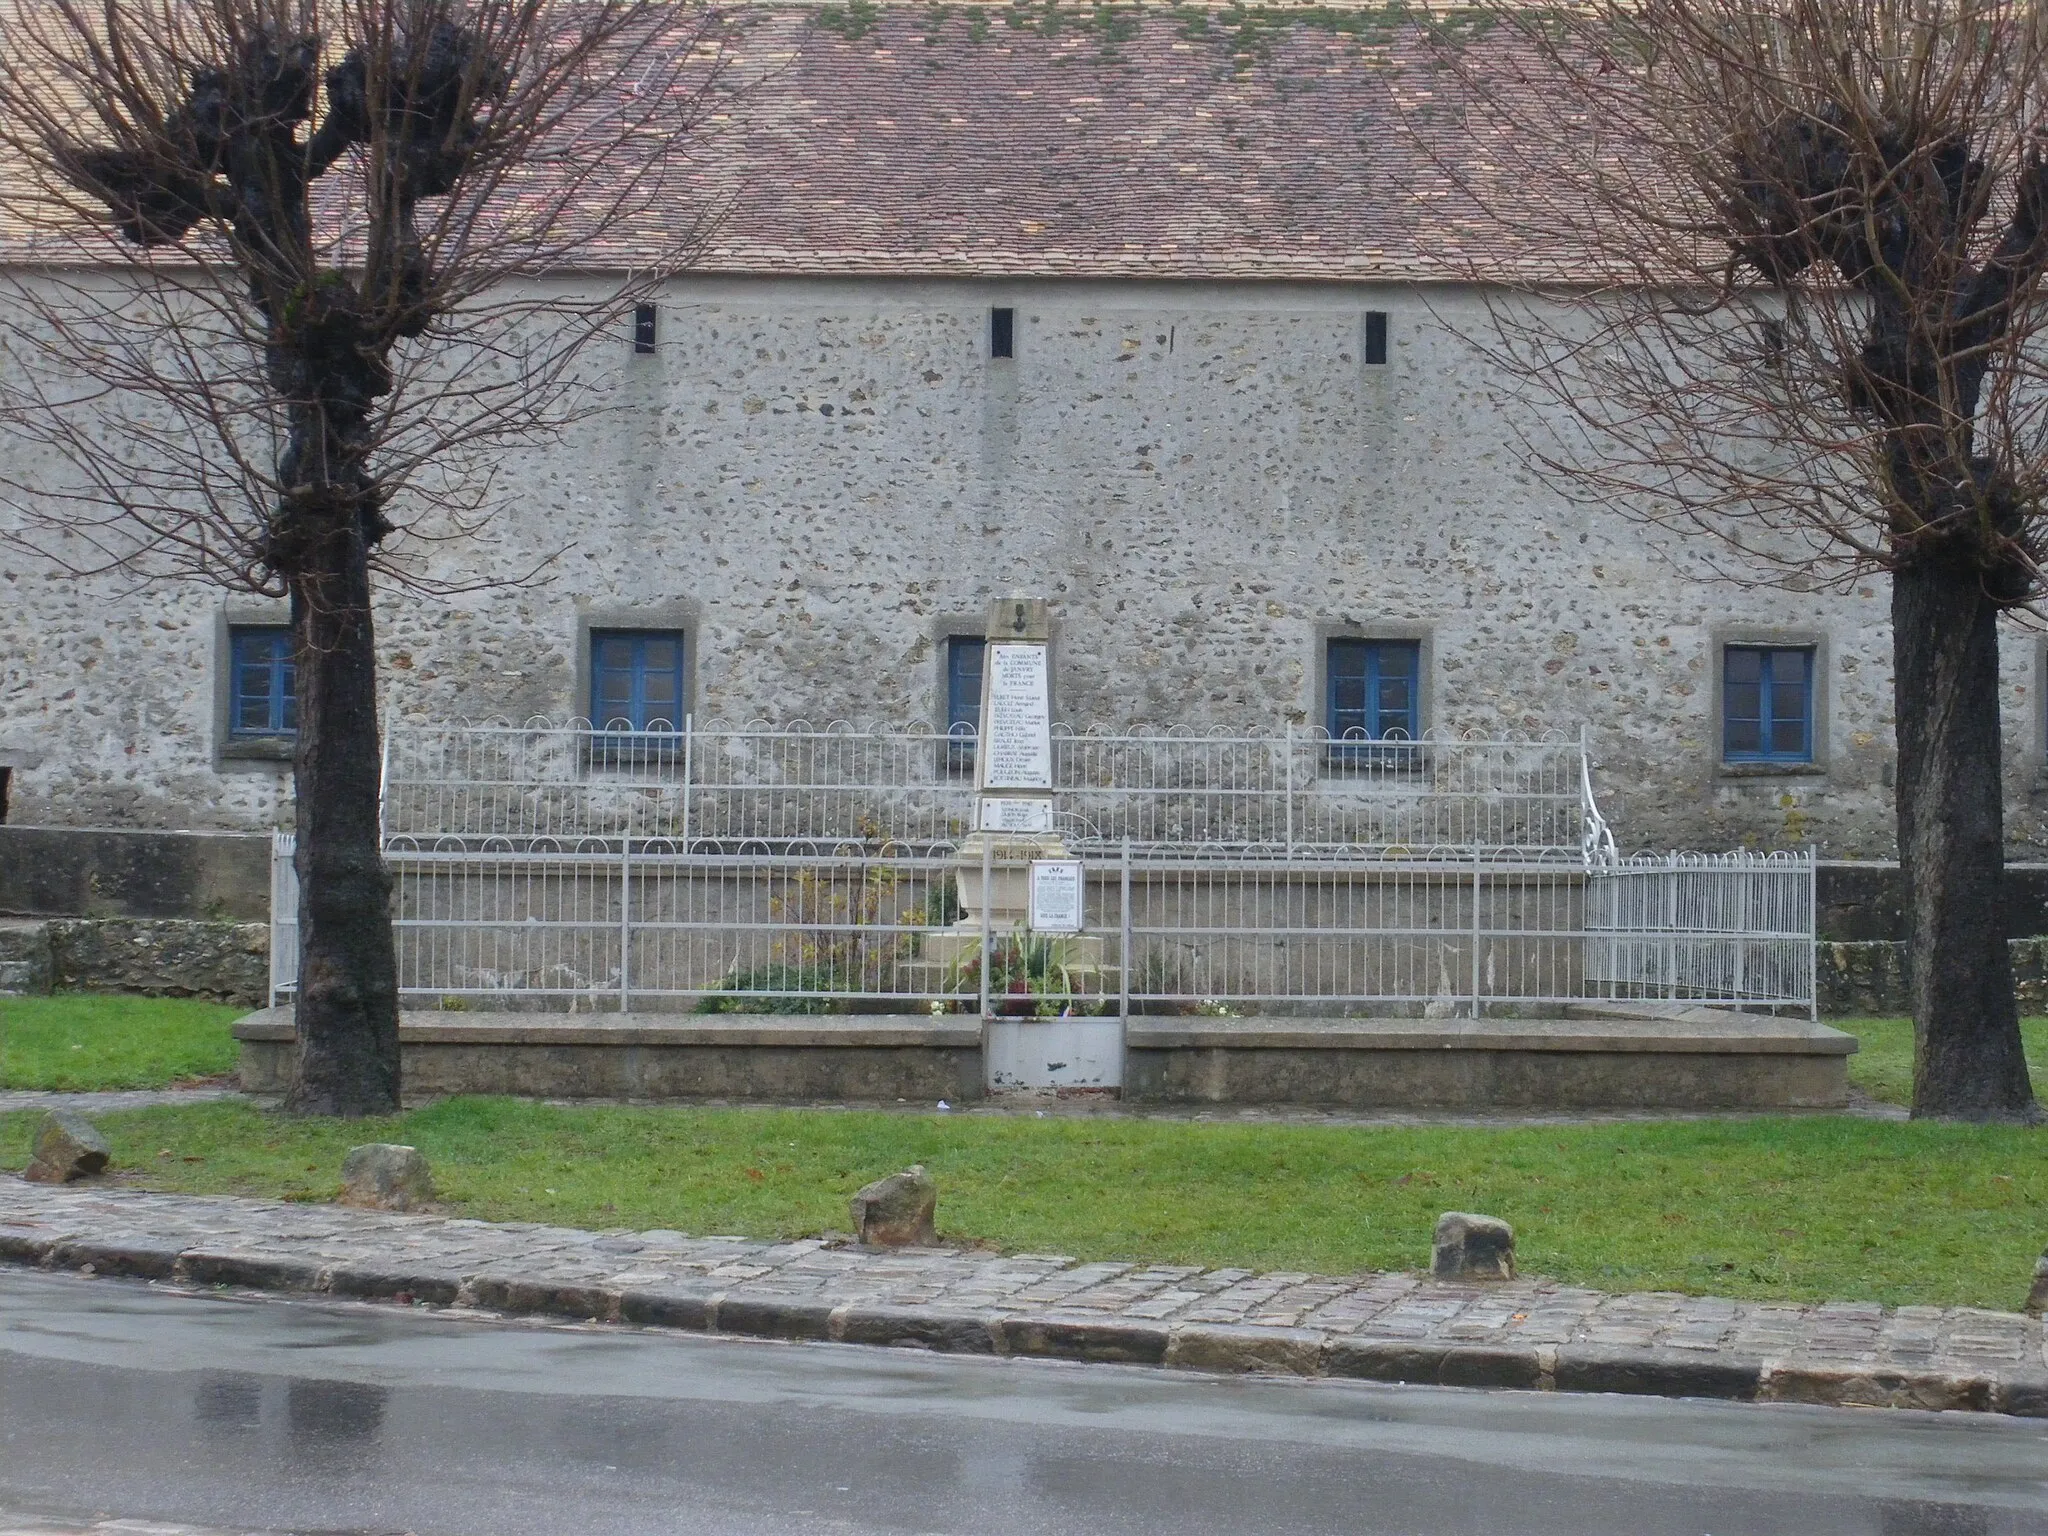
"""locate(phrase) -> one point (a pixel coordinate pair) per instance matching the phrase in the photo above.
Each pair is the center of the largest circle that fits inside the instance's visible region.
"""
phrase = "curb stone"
(1527, 1335)
(1856, 1388)
(1658, 1373)
(1231, 1348)
(1436, 1365)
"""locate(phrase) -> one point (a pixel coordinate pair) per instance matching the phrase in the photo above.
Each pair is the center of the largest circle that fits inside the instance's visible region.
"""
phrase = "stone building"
(1140, 316)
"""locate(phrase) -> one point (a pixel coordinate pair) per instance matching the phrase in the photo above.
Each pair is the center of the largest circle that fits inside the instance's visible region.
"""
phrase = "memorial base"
(1033, 1056)
(1052, 967)
(1008, 898)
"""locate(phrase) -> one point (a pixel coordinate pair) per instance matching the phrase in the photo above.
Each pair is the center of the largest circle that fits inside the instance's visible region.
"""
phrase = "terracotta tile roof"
(976, 146)
(1184, 142)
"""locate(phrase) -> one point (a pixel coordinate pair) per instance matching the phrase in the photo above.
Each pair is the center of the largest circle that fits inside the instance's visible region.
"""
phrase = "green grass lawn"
(78, 1041)
(1883, 1066)
(1796, 1208)
(1799, 1208)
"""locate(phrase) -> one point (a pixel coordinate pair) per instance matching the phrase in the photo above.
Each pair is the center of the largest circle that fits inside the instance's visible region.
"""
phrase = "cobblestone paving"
(1527, 1333)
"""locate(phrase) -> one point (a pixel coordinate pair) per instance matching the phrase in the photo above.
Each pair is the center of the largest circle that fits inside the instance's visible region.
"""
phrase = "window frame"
(1378, 750)
(1767, 756)
(1373, 344)
(282, 702)
(639, 636)
(961, 746)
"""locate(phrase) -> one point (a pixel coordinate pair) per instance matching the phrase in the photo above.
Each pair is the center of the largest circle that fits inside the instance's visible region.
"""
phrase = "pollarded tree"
(285, 289)
(1780, 285)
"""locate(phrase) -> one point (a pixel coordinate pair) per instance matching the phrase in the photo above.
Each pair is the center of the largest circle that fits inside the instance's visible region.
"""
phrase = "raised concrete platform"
(1620, 1056)
(657, 1055)
(1599, 1056)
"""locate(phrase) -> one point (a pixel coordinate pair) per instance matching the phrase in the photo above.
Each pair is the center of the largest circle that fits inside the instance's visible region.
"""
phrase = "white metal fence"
(762, 786)
(1715, 927)
(789, 869)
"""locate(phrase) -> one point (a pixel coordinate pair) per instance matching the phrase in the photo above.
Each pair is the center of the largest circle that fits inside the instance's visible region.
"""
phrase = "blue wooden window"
(636, 679)
(964, 657)
(1373, 688)
(1767, 704)
(264, 681)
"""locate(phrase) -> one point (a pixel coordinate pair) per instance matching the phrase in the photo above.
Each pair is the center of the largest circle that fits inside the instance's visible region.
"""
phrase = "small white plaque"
(1003, 813)
(1056, 895)
(1016, 733)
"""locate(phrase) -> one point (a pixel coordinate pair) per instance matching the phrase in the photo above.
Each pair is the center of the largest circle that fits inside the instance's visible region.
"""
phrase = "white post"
(987, 949)
(689, 764)
(1745, 923)
(625, 920)
(1668, 944)
(1475, 929)
(284, 915)
(1812, 933)
(1287, 787)
(383, 783)
(1124, 951)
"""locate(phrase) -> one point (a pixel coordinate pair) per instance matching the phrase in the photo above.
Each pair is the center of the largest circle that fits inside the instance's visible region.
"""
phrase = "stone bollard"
(385, 1177)
(898, 1210)
(1472, 1247)
(2037, 1298)
(68, 1146)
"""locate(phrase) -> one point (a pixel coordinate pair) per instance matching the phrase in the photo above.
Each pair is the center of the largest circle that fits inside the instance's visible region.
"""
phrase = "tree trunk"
(1967, 1059)
(348, 966)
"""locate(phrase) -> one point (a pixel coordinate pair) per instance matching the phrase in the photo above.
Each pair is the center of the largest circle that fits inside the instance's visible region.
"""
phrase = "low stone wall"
(223, 962)
(125, 872)
(1862, 900)
(1869, 979)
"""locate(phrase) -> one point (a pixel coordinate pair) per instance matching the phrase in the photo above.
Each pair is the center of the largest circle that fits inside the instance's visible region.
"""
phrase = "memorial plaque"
(1016, 738)
(1056, 895)
(1014, 814)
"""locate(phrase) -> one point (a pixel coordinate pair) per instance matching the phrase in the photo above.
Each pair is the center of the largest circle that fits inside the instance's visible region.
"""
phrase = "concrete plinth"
(1009, 876)
(1596, 1058)
(1029, 1055)
(1602, 1057)
(674, 1057)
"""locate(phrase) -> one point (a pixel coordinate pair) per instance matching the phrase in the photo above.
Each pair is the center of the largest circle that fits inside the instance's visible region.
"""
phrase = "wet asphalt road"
(295, 1415)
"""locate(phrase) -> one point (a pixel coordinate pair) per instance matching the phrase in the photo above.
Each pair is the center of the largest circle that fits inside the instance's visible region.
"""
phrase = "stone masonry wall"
(168, 957)
(820, 480)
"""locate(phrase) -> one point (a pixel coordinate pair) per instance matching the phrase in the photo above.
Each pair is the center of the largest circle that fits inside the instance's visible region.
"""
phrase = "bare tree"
(289, 282)
(1777, 280)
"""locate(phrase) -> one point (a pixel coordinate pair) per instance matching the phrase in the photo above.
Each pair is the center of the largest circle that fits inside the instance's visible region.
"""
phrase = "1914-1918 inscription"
(1017, 738)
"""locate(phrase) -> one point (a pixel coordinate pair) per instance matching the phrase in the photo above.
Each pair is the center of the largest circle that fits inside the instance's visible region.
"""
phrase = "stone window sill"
(259, 749)
(1771, 770)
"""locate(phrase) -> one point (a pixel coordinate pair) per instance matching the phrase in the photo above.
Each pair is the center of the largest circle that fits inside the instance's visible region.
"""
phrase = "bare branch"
(271, 253)
(1796, 254)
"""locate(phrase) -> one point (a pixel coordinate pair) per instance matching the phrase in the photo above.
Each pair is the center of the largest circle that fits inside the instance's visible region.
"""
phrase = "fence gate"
(1735, 929)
